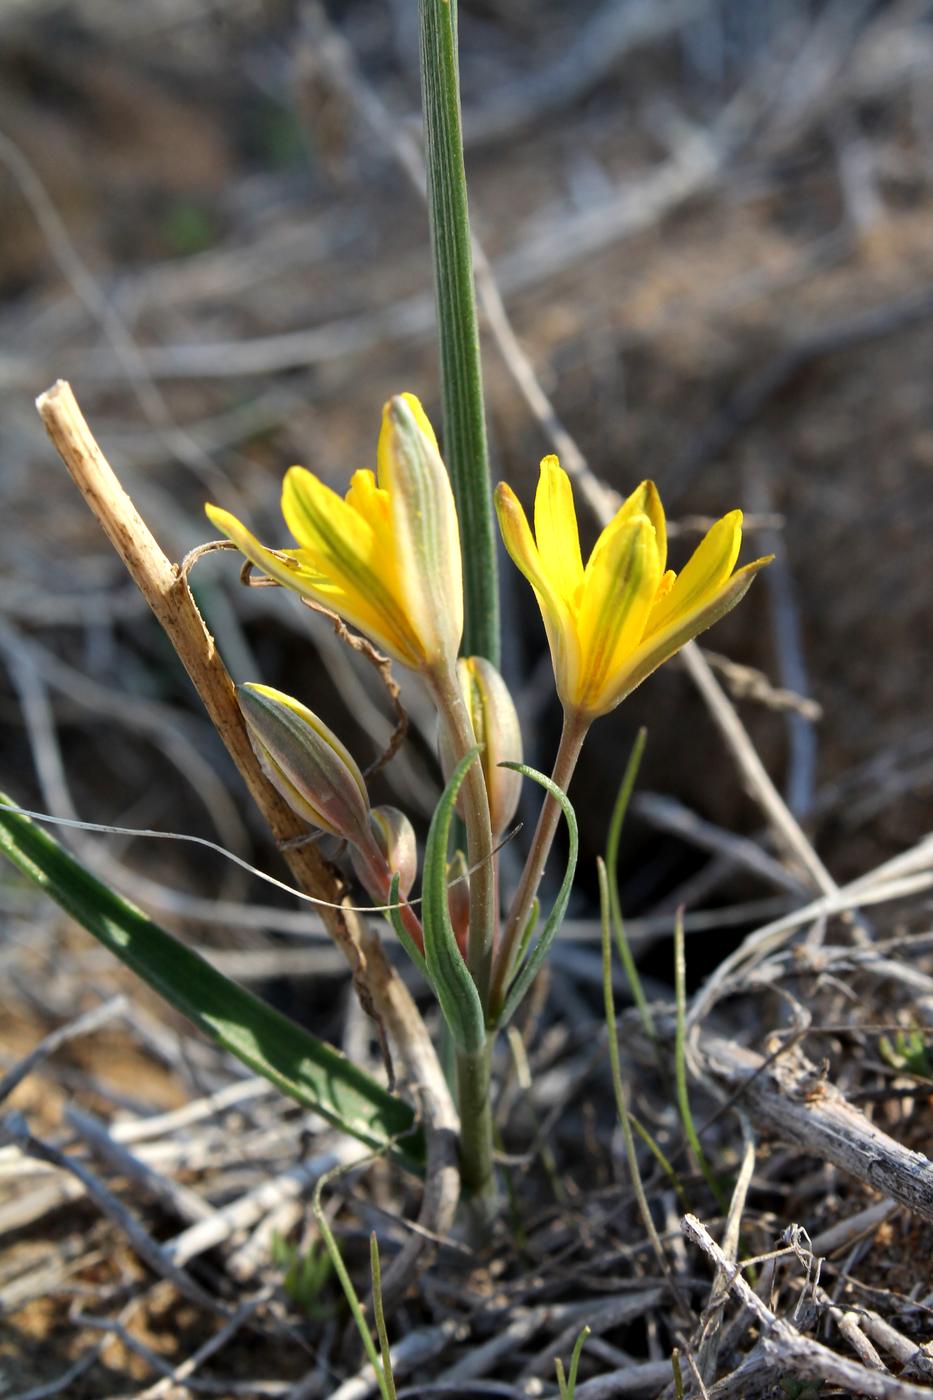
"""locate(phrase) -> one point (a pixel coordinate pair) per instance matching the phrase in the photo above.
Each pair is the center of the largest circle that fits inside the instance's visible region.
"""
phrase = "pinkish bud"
(394, 836)
(306, 762)
(497, 731)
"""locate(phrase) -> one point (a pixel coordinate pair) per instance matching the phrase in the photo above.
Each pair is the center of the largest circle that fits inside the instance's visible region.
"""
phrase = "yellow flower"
(612, 623)
(387, 557)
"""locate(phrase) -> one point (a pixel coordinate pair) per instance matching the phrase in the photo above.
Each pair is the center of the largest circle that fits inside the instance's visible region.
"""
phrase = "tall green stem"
(571, 742)
(473, 1065)
(461, 375)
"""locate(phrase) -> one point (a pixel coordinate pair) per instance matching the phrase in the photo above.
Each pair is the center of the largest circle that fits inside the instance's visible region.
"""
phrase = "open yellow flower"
(612, 623)
(386, 558)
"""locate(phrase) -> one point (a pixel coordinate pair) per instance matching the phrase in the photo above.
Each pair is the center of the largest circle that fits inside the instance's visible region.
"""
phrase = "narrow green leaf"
(678, 1375)
(612, 865)
(346, 1283)
(575, 1361)
(618, 1088)
(379, 1314)
(464, 435)
(401, 932)
(528, 932)
(539, 952)
(680, 1065)
(290, 1057)
(449, 974)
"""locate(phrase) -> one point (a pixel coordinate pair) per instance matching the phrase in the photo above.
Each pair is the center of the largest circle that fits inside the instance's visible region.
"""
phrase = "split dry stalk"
(170, 599)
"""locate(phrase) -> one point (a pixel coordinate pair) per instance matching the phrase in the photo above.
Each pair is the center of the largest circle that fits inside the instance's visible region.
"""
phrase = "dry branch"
(175, 609)
(790, 1350)
(790, 1098)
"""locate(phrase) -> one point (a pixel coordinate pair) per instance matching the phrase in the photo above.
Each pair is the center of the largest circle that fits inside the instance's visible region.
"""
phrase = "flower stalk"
(459, 740)
(573, 733)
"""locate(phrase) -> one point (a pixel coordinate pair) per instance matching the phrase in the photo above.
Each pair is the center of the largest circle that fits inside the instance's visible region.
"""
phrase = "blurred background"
(711, 223)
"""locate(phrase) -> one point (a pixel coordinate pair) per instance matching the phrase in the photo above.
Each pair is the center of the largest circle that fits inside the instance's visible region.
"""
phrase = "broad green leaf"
(449, 974)
(532, 965)
(297, 1062)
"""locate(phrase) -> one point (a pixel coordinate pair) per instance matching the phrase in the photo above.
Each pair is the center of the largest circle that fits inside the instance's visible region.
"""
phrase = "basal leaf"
(297, 1062)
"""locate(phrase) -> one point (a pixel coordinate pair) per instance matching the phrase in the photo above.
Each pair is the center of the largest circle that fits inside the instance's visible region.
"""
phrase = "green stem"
(612, 865)
(575, 1362)
(618, 1087)
(680, 1064)
(453, 713)
(379, 1314)
(465, 448)
(473, 1100)
(571, 742)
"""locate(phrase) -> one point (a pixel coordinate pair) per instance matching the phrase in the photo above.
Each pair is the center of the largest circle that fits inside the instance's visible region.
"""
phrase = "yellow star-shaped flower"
(612, 623)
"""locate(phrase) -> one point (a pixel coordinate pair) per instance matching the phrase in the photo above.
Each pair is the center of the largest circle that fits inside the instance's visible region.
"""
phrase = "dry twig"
(787, 1349)
(789, 1097)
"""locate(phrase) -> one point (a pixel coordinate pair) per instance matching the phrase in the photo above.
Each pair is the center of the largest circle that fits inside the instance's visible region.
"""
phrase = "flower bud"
(458, 899)
(425, 531)
(306, 762)
(394, 836)
(497, 731)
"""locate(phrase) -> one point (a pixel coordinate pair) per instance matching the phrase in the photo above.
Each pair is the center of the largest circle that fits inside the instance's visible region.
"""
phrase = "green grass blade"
(290, 1057)
(346, 1283)
(379, 1314)
(663, 1162)
(678, 1375)
(465, 449)
(680, 1065)
(575, 1362)
(612, 865)
(618, 1087)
